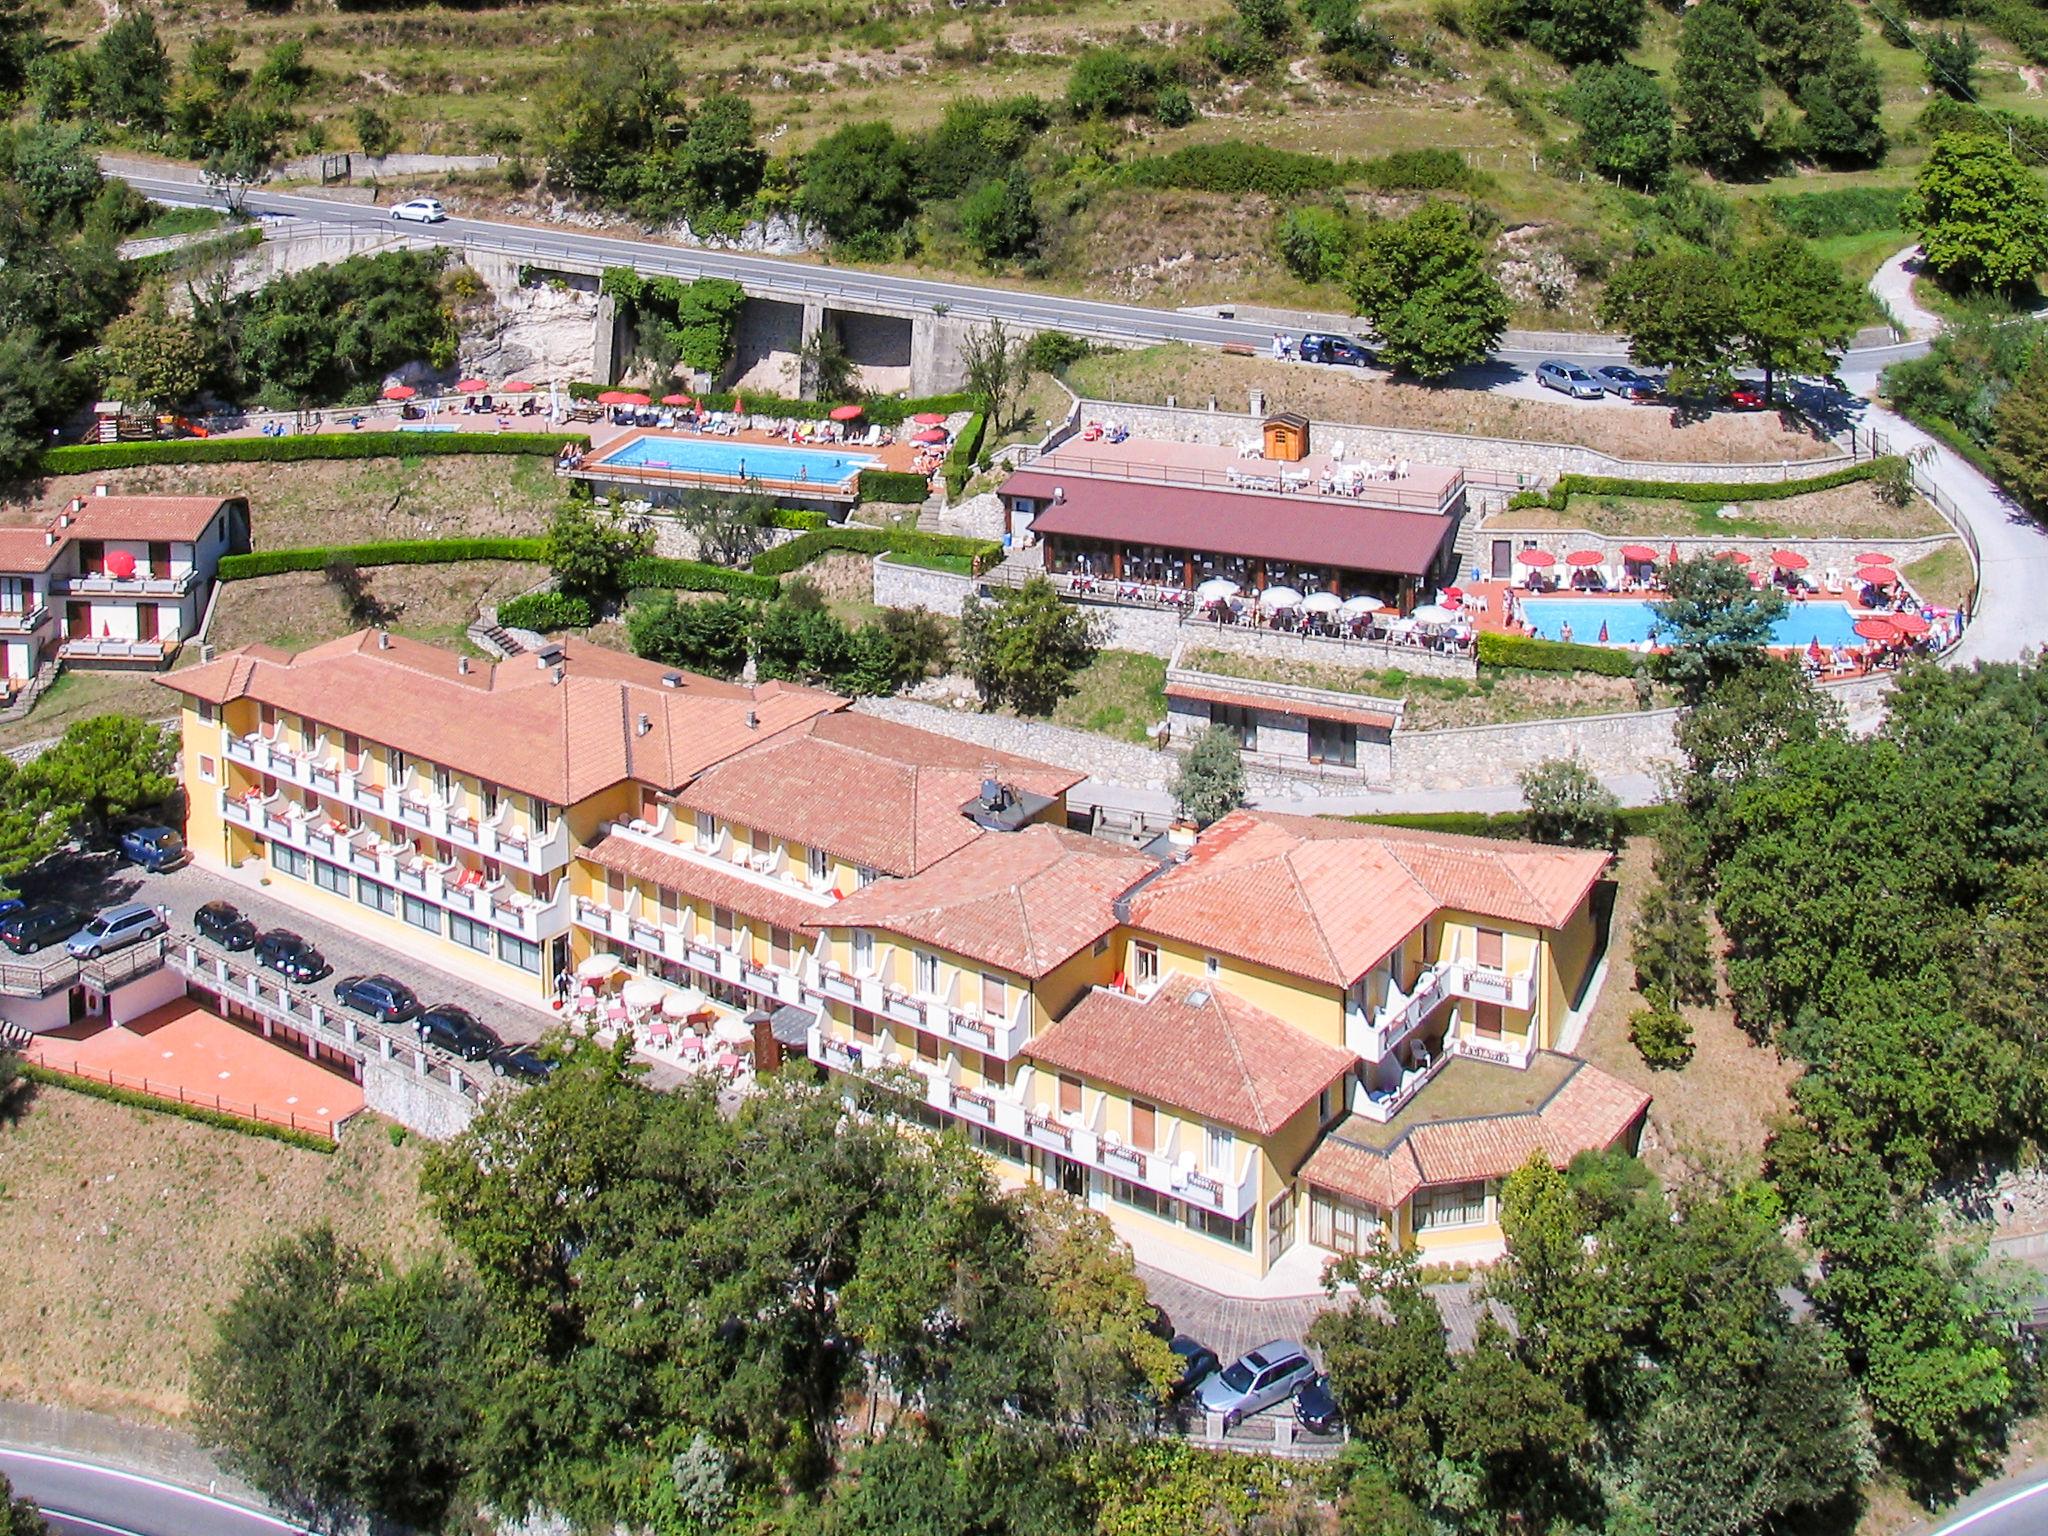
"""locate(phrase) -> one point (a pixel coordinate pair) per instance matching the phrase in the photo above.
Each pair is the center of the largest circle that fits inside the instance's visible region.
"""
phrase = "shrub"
(1636, 821)
(960, 459)
(1111, 82)
(308, 1140)
(1840, 211)
(884, 410)
(546, 612)
(273, 562)
(892, 485)
(1054, 351)
(1316, 242)
(1661, 1035)
(1418, 170)
(1238, 167)
(1530, 654)
(1568, 486)
(660, 572)
(86, 458)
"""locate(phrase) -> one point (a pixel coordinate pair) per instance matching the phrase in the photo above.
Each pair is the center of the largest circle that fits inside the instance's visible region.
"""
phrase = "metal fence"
(177, 1093)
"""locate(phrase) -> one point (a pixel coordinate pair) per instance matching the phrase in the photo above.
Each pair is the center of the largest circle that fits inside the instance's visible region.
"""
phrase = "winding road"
(85, 1498)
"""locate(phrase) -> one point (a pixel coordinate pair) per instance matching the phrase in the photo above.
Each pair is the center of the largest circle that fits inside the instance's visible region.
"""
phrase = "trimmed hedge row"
(960, 458)
(84, 458)
(1530, 654)
(545, 612)
(1238, 167)
(893, 485)
(1636, 821)
(799, 520)
(273, 562)
(311, 1141)
(659, 571)
(805, 548)
(1568, 486)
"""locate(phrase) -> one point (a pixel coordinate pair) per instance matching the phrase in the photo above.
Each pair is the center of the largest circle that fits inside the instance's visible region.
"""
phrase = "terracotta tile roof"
(27, 551)
(1024, 901)
(1309, 709)
(1589, 1111)
(748, 897)
(1326, 900)
(869, 790)
(514, 723)
(1197, 1048)
(28, 547)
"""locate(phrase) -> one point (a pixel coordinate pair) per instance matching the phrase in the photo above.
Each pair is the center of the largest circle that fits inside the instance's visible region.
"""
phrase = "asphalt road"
(2018, 1512)
(81, 1498)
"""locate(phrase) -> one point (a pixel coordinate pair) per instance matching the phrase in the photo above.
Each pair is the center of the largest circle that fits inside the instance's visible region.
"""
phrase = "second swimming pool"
(735, 460)
(1630, 621)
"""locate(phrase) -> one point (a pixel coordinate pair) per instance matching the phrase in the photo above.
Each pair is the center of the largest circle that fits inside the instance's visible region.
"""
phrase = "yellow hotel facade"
(1273, 1039)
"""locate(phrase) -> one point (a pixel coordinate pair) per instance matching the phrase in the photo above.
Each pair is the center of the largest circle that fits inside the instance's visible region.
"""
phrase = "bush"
(892, 485)
(43, 1076)
(1530, 654)
(1945, 115)
(660, 572)
(1238, 167)
(198, 254)
(1841, 211)
(960, 459)
(1568, 486)
(1111, 82)
(1418, 170)
(1661, 1035)
(1316, 242)
(86, 458)
(1635, 821)
(273, 562)
(546, 612)
(1054, 351)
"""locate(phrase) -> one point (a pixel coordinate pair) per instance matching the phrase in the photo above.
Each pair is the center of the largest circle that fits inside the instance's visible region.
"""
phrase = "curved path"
(85, 1498)
(2001, 1512)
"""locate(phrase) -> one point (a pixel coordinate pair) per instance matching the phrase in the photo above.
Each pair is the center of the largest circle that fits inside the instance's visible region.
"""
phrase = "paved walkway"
(1893, 285)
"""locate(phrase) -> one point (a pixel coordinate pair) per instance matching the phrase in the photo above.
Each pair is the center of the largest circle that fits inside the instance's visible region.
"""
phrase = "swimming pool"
(1630, 621)
(737, 461)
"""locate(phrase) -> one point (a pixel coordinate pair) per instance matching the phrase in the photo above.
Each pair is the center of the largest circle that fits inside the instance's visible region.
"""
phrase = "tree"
(18, 1517)
(1627, 122)
(1720, 84)
(1586, 31)
(730, 527)
(713, 636)
(374, 132)
(998, 219)
(1680, 314)
(718, 165)
(857, 186)
(589, 557)
(34, 823)
(1209, 783)
(1660, 1034)
(2019, 424)
(1670, 946)
(1023, 647)
(1716, 622)
(21, 45)
(108, 766)
(1422, 282)
(1982, 216)
(1951, 60)
(131, 73)
(341, 1390)
(1111, 82)
(1269, 20)
(239, 151)
(1387, 1353)
(153, 356)
(1316, 242)
(1568, 804)
(1796, 311)
(825, 367)
(1842, 101)
(993, 361)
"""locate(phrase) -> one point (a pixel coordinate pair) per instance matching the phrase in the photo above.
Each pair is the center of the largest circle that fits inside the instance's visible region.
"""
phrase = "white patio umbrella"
(732, 1028)
(1358, 607)
(640, 993)
(1434, 613)
(1276, 598)
(1322, 602)
(597, 967)
(678, 1005)
(1216, 590)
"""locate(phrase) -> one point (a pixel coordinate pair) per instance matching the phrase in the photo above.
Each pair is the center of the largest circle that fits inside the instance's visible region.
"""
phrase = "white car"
(420, 210)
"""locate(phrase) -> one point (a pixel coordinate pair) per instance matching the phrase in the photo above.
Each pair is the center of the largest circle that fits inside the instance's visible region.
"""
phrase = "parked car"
(1198, 1363)
(116, 928)
(457, 1030)
(28, 929)
(379, 996)
(420, 210)
(1318, 348)
(1620, 379)
(522, 1061)
(1255, 1380)
(284, 952)
(222, 922)
(1746, 396)
(1315, 1406)
(1569, 378)
(155, 848)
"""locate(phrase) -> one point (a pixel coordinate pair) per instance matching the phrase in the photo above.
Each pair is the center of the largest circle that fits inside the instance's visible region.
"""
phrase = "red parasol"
(471, 386)
(1878, 576)
(677, 400)
(1904, 623)
(1584, 557)
(1674, 554)
(1788, 560)
(615, 397)
(119, 564)
(846, 413)
(1455, 594)
(929, 435)
(1874, 557)
(1536, 557)
(1639, 552)
(517, 387)
(1875, 628)
(930, 418)
(1733, 554)
(399, 392)
(1603, 632)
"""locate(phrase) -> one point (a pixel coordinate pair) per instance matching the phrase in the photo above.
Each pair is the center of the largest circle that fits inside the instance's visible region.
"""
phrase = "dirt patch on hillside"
(123, 1232)
(435, 603)
(1147, 377)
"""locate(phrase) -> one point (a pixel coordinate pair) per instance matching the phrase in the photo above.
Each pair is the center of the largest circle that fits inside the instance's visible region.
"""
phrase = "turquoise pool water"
(751, 461)
(1630, 621)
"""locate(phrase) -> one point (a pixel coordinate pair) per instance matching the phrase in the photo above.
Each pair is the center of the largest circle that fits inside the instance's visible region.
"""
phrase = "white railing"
(1488, 984)
(1398, 1017)
(1385, 1109)
(697, 951)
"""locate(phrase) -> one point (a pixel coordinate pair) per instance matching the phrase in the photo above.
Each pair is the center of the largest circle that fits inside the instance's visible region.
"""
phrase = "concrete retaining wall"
(396, 1089)
(1083, 751)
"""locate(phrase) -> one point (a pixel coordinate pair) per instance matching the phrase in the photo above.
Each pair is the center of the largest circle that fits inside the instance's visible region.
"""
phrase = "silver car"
(116, 928)
(1569, 378)
(1256, 1380)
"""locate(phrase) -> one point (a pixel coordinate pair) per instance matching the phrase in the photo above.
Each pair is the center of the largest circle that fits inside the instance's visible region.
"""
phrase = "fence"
(40, 980)
(1376, 493)
(1868, 442)
(291, 1119)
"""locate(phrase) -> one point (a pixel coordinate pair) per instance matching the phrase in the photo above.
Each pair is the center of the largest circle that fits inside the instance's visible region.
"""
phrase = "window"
(1124, 1192)
(1145, 964)
(492, 799)
(863, 952)
(469, 933)
(995, 1071)
(422, 914)
(13, 594)
(707, 830)
(1218, 1146)
(290, 860)
(443, 782)
(867, 876)
(1333, 743)
(208, 770)
(762, 842)
(1490, 949)
(514, 950)
(927, 1047)
(1242, 723)
(1101, 947)
(925, 974)
(330, 877)
(351, 751)
(863, 1026)
(1211, 965)
(1450, 1205)
(781, 948)
(997, 1143)
(379, 898)
(722, 927)
(1486, 1020)
(1342, 1226)
(1211, 1224)
(207, 712)
(399, 765)
(1070, 1094)
(1144, 1126)
(1280, 1226)
(818, 865)
(995, 996)
(537, 808)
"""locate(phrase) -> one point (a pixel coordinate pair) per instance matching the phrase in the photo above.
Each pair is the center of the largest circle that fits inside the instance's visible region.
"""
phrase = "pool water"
(752, 461)
(1630, 621)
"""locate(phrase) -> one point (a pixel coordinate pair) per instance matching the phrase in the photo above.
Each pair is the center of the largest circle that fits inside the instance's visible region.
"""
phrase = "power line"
(1962, 87)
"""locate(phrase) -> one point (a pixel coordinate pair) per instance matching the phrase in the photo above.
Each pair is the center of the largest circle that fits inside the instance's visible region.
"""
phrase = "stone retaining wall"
(1277, 645)
(917, 586)
(1099, 757)
(419, 1103)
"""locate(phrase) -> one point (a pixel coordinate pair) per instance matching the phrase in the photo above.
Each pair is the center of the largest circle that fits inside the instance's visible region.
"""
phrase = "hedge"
(311, 1141)
(1238, 168)
(960, 459)
(658, 571)
(1530, 654)
(1568, 486)
(800, 520)
(196, 253)
(84, 458)
(1636, 821)
(892, 485)
(908, 542)
(545, 612)
(273, 562)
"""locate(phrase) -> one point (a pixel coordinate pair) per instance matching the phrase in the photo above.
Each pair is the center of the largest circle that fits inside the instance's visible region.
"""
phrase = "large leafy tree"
(1626, 121)
(1680, 314)
(131, 73)
(858, 185)
(714, 636)
(589, 555)
(1387, 1355)
(1586, 31)
(34, 822)
(1024, 646)
(1422, 282)
(1209, 783)
(18, 1517)
(1720, 84)
(2019, 423)
(1714, 619)
(154, 356)
(1842, 99)
(107, 767)
(1982, 216)
(1795, 310)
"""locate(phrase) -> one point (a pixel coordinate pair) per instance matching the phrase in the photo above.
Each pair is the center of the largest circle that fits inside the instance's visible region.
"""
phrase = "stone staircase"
(32, 690)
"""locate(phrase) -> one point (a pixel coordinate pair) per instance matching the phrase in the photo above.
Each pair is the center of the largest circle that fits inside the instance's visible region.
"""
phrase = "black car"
(284, 952)
(523, 1061)
(1198, 1363)
(1315, 1407)
(379, 996)
(1317, 348)
(456, 1030)
(27, 929)
(222, 922)
(1619, 379)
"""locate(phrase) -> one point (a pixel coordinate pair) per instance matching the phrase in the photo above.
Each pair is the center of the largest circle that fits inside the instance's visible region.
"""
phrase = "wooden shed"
(1287, 437)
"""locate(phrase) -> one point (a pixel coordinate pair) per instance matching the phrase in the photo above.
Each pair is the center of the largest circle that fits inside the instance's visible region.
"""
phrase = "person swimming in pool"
(1565, 632)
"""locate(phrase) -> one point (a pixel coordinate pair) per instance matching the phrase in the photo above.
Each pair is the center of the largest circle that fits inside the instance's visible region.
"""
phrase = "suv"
(382, 998)
(284, 952)
(457, 1030)
(1569, 378)
(1319, 348)
(27, 929)
(116, 928)
(1255, 1380)
(156, 849)
(420, 210)
(222, 922)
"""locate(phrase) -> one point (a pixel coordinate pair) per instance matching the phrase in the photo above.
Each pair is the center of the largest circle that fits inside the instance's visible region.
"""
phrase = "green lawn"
(1120, 694)
(1943, 578)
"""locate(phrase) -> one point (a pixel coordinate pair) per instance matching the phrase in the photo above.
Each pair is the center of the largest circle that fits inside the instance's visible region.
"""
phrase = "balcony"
(107, 648)
(1399, 1016)
(99, 584)
(1385, 1108)
(698, 951)
(1487, 984)
(24, 621)
(770, 870)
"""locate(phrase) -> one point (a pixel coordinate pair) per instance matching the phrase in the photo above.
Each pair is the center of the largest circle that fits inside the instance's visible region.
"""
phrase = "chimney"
(643, 725)
(207, 653)
(1059, 494)
(462, 666)
(753, 720)
(1180, 837)
(64, 520)
(560, 673)
(671, 679)
(99, 490)
(383, 639)
(49, 538)
(77, 504)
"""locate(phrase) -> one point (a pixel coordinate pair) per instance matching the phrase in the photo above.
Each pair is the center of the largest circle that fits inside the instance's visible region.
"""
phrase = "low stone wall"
(672, 541)
(1494, 756)
(1099, 757)
(917, 586)
(1277, 645)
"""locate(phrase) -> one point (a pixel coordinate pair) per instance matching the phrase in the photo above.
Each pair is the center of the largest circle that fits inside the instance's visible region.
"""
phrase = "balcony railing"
(99, 584)
(24, 621)
(1398, 1017)
(700, 953)
(1488, 984)
(989, 1033)
(1384, 1109)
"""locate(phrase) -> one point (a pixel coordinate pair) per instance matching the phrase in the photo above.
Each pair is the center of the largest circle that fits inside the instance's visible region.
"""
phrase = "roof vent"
(99, 490)
(753, 720)
(1059, 494)
(462, 665)
(383, 639)
(1199, 998)
(643, 725)
(671, 679)
(559, 674)
(207, 652)
(549, 654)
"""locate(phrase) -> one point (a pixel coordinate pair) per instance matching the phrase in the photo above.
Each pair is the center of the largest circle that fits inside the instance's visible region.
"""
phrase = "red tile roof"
(1303, 530)
(1308, 709)
(1589, 1111)
(514, 723)
(1197, 1048)
(750, 898)
(1327, 900)
(1023, 901)
(141, 519)
(868, 790)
